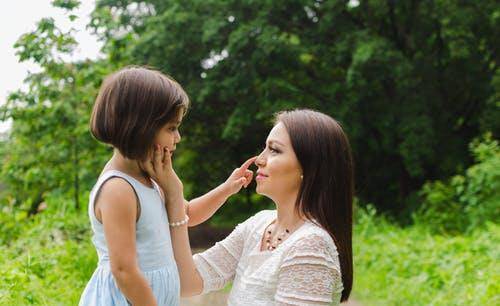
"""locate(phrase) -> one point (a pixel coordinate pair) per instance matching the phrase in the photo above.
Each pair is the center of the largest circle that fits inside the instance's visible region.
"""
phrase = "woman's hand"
(240, 177)
(159, 168)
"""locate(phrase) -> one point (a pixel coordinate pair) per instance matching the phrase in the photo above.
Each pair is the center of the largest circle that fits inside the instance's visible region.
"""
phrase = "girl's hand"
(159, 167)
(240, 177)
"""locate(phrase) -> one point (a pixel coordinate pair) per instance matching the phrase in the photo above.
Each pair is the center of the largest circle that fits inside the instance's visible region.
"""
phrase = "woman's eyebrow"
(276, 142)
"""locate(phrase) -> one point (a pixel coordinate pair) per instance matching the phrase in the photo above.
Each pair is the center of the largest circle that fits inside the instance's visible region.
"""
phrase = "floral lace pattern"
(303, 270)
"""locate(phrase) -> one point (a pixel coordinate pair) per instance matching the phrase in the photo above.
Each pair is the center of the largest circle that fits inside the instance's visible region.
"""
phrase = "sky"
(20, 17)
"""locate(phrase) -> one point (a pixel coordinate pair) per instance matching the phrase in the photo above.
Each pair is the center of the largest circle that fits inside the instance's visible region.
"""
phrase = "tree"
(50, 148)
(409, 80)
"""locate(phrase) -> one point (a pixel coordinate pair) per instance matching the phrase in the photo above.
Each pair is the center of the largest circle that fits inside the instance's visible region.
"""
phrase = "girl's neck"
(123, 164)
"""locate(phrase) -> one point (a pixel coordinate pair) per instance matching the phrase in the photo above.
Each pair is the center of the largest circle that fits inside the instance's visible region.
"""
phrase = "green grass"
(48, 261)
(412, 266)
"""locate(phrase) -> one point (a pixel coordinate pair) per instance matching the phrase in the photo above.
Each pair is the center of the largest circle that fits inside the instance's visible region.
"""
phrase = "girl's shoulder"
(116, 188)
(113, 192)
(114, 184)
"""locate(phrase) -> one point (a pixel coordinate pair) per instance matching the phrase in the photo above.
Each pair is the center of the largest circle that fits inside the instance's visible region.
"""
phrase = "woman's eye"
(173, 129)
(272, 150)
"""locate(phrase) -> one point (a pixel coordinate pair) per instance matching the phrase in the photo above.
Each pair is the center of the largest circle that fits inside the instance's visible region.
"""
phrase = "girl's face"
(279, 170)
(168, 136)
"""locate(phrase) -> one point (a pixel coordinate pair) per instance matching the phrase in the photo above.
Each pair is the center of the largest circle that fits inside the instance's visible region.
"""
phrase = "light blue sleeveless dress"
(154, 250)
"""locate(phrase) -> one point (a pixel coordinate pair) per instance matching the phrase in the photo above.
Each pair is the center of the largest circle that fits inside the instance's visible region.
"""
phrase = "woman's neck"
(287, 215)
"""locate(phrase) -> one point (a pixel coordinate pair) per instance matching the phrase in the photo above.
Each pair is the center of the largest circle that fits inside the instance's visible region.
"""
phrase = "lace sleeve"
(310, 274)
(217, 265)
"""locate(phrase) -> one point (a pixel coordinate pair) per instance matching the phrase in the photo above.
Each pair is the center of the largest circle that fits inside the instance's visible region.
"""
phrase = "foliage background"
(415, 84)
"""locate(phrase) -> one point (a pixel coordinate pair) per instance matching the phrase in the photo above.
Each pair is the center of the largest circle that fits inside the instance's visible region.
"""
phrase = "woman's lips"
(260, 176)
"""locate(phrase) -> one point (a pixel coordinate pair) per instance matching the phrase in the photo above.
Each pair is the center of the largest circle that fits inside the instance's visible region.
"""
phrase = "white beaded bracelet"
(185, 221)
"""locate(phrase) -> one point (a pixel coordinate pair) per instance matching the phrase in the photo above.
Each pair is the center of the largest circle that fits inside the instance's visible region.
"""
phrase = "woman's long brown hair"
(327, 188)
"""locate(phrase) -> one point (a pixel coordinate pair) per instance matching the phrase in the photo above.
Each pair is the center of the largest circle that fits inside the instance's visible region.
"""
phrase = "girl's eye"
(173, 128)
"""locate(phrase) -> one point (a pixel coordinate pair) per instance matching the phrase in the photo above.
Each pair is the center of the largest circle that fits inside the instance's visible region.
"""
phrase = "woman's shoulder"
(265, 214)
(314, 239)
(257, 220)
(261, 217)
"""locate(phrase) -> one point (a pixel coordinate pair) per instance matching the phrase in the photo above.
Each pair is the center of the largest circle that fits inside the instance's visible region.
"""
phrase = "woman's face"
(279, 172)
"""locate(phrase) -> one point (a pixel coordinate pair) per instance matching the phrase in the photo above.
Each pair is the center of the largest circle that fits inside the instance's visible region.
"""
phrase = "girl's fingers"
(248, 177)
(157, 157)
(164, 156)
(167, 157)
(148, 166)
(247, 164)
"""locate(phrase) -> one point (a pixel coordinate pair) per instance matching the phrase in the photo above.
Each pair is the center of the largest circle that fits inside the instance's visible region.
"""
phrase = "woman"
(298, 254)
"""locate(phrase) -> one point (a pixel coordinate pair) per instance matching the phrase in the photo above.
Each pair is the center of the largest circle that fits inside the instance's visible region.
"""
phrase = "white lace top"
(303, 270)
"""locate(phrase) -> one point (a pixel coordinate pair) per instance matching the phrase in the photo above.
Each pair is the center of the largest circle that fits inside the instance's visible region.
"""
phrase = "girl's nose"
(178, 137)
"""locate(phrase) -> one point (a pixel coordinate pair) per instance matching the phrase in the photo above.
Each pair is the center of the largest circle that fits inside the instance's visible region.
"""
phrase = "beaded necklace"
(270, 245)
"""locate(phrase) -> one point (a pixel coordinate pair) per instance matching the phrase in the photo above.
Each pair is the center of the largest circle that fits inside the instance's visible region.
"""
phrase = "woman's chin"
(258, 189)
(261, 191)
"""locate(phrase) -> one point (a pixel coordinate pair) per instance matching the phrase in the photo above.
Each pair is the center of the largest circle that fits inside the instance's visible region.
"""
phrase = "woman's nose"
(260, 161)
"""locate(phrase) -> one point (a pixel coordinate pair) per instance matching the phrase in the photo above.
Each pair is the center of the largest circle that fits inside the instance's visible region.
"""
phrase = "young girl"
(137, 111)
(298, 254)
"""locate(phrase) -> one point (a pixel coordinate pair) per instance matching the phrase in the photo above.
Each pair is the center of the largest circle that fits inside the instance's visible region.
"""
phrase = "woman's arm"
(118, 210)
(309, 273)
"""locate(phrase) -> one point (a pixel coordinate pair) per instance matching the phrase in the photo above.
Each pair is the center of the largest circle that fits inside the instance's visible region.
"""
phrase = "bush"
(466, 201)
(414, 266)
(48, 258)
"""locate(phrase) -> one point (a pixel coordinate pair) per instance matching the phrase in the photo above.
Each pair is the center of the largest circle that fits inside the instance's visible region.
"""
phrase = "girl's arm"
(202, 208)
(212, 269)
(118, 210)
(191, 281)
(160, 169)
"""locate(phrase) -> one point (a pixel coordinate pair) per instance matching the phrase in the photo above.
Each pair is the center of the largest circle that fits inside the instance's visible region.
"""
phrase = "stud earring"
(301, 176)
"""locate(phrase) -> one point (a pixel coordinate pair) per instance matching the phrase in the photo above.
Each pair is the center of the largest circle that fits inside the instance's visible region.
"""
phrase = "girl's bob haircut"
(133, 104)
